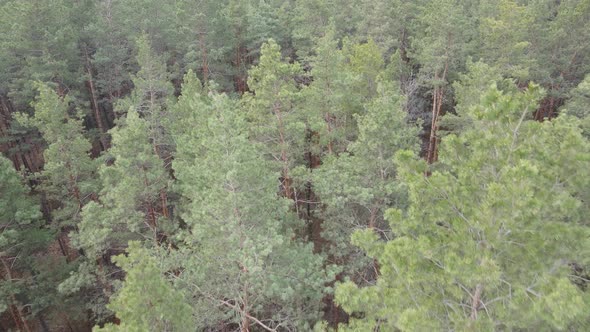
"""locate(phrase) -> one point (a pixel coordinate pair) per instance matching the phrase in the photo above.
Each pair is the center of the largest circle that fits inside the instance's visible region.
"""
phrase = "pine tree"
(151, 96)
(440, 42)
(239, 257)
(312, 18)
(327, 100)
(387, 22)
(274, 116)
(357, 186)
(577, 105)
(366, 61)
(492, 238)
(132, 204)
(560, 47)
(42, 46)
(147, 301)
(21, 236)
(68, 177)
(503, 30)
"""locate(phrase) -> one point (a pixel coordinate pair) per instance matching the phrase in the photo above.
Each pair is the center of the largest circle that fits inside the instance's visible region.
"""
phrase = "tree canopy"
(280, 165)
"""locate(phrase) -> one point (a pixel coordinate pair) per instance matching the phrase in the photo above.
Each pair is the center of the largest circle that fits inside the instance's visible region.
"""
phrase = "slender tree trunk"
(164, 199)
(284, 159)
(432, 139)
(475, 301)
(94, 98)
(151, 211)
(62, 245)
(328, 119)
(245, 325)
(204, 61)
(437, 98)
(43, 323)
(15, 311)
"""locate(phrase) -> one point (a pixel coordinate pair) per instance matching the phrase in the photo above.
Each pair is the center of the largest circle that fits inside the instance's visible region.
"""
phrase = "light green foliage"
(147, 301)
(16, 209)
(190, 106)
(468, 89)
(490, 237)
(441, 39)
(238, 255)
(272, 110)
(227, 192)
(578, 104)
(151, 96)
(387, 22)
(560, 44)
(357, 186)
(312, 18)
(129, 205)
(503, 32)
(69, 172)
(29, 280)
(69, 182)
(366, 61)
(330, 101)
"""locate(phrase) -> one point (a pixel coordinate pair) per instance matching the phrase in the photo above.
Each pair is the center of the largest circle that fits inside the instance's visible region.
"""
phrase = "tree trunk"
(15, 311)
(97, 115)
(204, 61)
(475, 301)
(286, 180)
(437, 98)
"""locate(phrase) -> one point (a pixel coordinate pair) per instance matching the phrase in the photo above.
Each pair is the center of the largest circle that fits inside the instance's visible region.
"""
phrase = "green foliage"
(578, 104)
(387, 22)
(21, 237)
(312, 18)
(559, 44)
(272, 110)
(441, 39)
(69, 172)
(227, 193)
(129, 205)
(503, 32)
(330, 101)
(238, 256)
(366, 61)
(357, 186)
(41, 46)
(151, 96)
(147, 301)
(489, 239)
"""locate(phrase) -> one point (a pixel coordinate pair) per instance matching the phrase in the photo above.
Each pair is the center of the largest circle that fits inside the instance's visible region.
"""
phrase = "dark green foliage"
(247, 149)
(22, 239)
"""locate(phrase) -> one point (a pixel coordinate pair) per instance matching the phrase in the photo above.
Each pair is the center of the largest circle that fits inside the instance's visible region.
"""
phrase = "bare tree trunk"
(437, 98)
(432, 139)
(164, 199)
(245, 324)
(475, 301)
(94, 98)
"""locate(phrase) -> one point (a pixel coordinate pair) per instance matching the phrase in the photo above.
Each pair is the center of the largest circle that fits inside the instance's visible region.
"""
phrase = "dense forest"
(294, 165)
